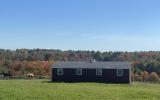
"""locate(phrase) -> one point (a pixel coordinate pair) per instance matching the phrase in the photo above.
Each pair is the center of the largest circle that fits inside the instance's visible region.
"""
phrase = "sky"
(100, 25)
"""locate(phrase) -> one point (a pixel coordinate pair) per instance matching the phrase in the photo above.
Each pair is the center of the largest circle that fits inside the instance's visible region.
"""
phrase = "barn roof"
(90, 65)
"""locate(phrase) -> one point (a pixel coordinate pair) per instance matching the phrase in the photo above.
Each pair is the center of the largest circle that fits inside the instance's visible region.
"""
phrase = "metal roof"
(89, 65)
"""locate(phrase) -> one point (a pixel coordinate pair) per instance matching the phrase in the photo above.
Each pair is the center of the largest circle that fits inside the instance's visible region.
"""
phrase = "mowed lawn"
(45, 90)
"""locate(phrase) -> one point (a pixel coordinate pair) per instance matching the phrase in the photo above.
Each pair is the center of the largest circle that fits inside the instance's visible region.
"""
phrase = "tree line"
(70, 55)
(19, 60)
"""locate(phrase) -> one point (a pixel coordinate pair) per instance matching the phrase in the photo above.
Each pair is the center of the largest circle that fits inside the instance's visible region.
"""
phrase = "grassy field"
(45, 90)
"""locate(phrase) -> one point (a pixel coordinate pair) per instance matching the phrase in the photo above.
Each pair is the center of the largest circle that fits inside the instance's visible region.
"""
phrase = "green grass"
(44, 90)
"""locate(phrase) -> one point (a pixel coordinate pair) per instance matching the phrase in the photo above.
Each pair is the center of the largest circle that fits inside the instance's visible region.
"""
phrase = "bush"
(145, 75)
(137, 77)
(153, 77)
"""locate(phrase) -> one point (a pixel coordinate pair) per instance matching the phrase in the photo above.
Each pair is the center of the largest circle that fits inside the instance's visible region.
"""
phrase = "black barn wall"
(89, 75)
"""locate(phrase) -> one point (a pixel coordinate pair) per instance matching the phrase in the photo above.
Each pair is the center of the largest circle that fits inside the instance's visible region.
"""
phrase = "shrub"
(137, 77)
(145, 75)
(153, 77)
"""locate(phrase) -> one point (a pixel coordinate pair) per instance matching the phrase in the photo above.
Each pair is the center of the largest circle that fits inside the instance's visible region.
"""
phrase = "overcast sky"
(104, 25)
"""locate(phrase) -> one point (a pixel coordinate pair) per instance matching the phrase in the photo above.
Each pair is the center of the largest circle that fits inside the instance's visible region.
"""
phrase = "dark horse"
(6, 75)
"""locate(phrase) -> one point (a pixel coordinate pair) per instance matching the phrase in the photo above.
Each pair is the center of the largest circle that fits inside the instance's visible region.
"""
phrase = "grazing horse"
(30, 76)
(6, 75)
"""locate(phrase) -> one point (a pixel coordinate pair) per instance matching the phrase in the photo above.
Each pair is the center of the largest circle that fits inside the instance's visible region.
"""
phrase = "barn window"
(99, 72)
(60, 71)
(120, 72)
(78, 71)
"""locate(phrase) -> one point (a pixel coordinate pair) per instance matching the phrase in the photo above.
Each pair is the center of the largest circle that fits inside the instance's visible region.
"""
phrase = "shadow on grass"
(50, 81)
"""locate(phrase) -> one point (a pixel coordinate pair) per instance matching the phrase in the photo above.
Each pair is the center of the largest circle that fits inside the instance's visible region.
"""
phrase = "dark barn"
(107, 72)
